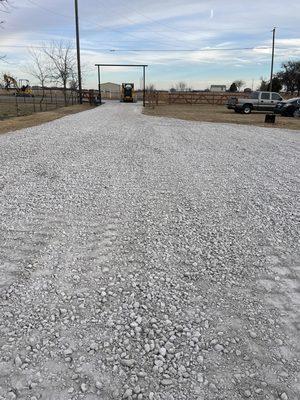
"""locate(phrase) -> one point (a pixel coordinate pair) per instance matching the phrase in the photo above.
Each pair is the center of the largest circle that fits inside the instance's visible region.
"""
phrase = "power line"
(49, 9)
(134, 22)
(160, 50)
(194, 50)
(153, 20)
(98, 26)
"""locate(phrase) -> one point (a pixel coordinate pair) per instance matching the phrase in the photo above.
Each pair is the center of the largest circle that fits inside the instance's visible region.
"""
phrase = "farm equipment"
(22, 89)
(127, 95)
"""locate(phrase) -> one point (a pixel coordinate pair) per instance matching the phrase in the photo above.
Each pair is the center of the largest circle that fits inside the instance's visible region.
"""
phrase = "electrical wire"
(49, 9)
(97, 25)
(134, 22)
(160, 50)
(152, 19)
(198, 50)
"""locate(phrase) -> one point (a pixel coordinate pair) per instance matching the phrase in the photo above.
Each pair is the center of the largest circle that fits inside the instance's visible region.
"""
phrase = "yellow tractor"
(23, 89)
(127, 95)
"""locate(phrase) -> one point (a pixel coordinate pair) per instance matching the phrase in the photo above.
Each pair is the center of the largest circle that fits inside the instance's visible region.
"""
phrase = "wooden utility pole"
(272, 62)
(78, 52)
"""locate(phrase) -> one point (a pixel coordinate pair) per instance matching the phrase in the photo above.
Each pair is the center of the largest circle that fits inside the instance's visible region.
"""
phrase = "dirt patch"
(210, 113)
(27, 121)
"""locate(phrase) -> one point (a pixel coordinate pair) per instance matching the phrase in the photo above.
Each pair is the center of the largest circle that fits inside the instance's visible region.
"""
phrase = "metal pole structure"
(78, 52)
(272, 62)
(144, 86)
(99, 85)
(123, 65)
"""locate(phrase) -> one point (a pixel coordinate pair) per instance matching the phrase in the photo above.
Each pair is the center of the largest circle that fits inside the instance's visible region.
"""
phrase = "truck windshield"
(254, 95)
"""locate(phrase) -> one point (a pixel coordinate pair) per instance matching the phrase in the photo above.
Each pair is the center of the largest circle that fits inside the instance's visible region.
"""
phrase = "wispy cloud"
(161, 26)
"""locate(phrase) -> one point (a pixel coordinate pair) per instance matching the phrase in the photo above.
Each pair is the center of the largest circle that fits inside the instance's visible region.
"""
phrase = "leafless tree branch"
(62, 63)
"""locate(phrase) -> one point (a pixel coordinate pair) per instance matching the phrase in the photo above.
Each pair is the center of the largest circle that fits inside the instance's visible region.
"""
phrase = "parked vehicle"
(259, 101)
(288, 108)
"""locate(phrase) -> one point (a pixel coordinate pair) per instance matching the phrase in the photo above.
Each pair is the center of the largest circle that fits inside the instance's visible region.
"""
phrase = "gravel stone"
(140, 255)
(166, 382)
(83, 387)
(128, 363)
(219, 347)
(163, 351)
(253, 334)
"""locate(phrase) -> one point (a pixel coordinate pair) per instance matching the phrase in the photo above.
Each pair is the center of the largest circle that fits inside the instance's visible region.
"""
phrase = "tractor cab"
(127, 92)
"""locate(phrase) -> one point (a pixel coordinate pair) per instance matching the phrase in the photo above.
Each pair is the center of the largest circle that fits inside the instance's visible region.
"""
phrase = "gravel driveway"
(148, 258)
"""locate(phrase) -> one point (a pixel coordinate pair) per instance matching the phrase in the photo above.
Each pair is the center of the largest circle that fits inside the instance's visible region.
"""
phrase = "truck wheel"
(296, 114)
(247, 109)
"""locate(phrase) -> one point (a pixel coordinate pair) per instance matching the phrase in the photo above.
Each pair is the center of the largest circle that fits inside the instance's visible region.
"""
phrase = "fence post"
(17, 111)
(33, 99)
(56, 99)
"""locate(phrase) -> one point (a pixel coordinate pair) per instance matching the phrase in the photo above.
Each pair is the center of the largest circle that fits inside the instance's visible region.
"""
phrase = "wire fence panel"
(14, 104)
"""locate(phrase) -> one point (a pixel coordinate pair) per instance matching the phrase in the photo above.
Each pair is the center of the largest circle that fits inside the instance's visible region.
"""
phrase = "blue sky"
(163, 28)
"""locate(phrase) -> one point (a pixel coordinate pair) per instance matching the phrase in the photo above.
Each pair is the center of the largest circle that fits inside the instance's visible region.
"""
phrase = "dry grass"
(27, 121)
(11, 109)
(210, 113)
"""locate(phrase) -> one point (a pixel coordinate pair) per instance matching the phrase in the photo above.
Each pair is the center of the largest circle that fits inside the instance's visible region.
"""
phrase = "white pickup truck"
(259, 101)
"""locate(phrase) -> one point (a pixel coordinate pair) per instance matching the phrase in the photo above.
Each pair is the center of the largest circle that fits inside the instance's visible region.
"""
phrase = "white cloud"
(140, 24)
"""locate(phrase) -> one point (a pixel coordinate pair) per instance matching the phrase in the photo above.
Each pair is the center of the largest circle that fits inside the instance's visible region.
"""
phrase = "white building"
(218, 88)
(110, 90)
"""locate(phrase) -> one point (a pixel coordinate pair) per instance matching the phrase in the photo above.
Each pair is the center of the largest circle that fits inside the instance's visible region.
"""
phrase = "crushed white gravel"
(148, 258)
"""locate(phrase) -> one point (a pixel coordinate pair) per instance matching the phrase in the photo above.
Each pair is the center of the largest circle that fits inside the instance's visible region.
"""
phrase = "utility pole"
(272, 62)
(78, 52)
(99, 85)
(144, 85)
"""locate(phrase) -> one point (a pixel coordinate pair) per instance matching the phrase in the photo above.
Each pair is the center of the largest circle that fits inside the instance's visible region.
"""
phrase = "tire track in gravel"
(145, 282)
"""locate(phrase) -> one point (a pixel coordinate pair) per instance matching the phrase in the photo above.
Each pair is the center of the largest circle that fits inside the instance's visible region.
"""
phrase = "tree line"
(53, 64)
(287, 79)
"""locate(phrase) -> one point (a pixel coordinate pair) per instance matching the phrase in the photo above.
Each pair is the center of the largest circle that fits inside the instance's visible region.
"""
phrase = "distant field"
(216, 113)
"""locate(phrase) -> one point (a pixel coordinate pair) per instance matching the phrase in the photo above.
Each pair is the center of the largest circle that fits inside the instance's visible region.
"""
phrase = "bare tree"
(39, 69)
(3, 9)
(62, 63)
(150, 88)
(181, 87)
(73, 82)
(239, 84)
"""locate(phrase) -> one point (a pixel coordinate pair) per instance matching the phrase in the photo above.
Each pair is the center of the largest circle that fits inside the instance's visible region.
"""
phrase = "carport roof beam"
(121, 65)
(124, 65)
